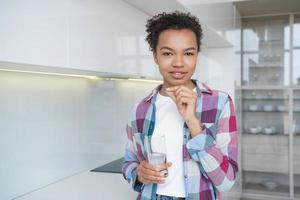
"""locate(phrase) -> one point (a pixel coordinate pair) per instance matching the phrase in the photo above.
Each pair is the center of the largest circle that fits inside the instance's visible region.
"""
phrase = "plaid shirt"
(209, 158)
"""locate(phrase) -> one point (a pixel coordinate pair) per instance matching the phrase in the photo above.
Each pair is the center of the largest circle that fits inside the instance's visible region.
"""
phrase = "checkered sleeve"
(215, 149)
(131, 161)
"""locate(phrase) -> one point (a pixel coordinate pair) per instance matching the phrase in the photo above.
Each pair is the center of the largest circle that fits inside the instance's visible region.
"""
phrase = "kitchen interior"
(70, 72)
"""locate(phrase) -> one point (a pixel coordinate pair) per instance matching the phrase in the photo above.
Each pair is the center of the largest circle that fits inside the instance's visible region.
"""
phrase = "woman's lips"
(177, 75)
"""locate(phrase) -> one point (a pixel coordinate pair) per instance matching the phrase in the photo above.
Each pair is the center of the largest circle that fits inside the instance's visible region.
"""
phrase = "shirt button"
(185, 176)
(184, 136)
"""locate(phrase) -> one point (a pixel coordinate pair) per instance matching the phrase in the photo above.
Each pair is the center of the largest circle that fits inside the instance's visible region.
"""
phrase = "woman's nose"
(178, 61)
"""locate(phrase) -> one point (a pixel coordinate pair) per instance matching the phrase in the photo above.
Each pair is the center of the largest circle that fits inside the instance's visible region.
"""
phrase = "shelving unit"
(269, 108)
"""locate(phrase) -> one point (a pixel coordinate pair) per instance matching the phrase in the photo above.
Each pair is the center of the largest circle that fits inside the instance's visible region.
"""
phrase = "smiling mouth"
(178, 75)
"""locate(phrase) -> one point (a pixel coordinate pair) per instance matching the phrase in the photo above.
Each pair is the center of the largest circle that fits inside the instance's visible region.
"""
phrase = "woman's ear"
(155, 57)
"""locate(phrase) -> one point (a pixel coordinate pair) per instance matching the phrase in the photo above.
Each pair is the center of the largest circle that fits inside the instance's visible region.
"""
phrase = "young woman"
(198, 122)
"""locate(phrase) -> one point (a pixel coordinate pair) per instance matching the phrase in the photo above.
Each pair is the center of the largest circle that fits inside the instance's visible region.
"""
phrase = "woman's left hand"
(185, 100)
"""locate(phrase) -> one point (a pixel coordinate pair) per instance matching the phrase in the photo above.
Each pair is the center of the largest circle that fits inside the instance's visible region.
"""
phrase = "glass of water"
(157, 153)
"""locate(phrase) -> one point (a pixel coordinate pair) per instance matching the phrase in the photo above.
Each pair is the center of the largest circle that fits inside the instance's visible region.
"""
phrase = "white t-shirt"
(170, 123)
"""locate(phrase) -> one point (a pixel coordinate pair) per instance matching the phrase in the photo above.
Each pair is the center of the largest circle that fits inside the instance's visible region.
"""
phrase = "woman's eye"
(189, 53)
(166, 54)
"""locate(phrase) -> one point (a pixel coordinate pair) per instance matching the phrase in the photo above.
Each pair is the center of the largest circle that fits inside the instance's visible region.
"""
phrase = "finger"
(172, 95)
(155, 179)
(152, 172)
(184, 89)
(173, 88)
(145, 168)
(184, 100)
(148, 166)
(164, 166)
(185, 94)
(145, 178)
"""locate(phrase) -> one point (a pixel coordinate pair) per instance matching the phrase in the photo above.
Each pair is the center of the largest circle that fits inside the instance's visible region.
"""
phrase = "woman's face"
(176, 55)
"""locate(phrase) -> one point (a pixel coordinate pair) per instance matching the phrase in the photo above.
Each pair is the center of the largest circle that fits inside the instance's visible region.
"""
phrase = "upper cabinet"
(34, 32)
(109, 36)
(266, 51)
(103, 36)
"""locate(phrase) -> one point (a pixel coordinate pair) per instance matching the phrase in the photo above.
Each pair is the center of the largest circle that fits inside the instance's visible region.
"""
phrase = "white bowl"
(268, 107)
(280, 108)
(253, 107)
(255, 130)
(269, 130)
(271, 185)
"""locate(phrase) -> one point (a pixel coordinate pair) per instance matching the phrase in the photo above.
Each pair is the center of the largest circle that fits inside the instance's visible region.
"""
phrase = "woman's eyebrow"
(191, 48)
(170, 49)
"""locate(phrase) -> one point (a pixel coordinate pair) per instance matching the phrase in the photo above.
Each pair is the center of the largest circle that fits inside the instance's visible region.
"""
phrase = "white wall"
(101, 35)
(218, 68)
(53, 127)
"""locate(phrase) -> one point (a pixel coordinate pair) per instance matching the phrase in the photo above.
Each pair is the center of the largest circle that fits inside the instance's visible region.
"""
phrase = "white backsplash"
(52, 127)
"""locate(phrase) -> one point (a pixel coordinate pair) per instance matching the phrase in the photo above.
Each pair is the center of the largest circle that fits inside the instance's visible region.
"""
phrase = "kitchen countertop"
(86, 186)
(112, 167)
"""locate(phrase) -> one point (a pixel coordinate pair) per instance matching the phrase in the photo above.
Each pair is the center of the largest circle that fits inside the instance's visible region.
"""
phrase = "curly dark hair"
(175, 20)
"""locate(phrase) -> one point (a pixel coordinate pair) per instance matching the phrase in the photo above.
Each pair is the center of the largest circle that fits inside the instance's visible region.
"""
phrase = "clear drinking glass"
(157, 153)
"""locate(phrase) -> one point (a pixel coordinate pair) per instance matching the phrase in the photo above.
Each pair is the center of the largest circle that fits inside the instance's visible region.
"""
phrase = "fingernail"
(168, 89)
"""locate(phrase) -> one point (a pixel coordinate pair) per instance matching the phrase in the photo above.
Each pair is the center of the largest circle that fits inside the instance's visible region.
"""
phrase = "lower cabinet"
(270, 142)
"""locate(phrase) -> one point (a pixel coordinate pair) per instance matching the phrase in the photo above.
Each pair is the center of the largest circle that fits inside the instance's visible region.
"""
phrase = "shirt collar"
(201, 88)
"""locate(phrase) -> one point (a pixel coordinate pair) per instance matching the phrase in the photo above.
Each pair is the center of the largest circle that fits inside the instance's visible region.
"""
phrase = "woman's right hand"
(148, 173)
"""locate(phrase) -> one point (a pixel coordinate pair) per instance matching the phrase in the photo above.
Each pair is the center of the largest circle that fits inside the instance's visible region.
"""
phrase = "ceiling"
(267, 7)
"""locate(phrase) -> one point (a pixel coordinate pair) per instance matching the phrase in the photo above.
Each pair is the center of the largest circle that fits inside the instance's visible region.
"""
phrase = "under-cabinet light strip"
(50, 73)
(82, 76)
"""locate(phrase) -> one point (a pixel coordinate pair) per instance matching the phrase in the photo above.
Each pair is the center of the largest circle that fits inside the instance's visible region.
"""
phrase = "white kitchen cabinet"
(34, 32)
(102, 36)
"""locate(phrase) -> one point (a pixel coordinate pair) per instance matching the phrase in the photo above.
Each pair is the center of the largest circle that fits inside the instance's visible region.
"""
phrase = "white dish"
(255, 130)
(280, 108)
(268, 107)
(271, 185)
(253, 107)
(269, 130)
